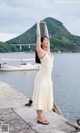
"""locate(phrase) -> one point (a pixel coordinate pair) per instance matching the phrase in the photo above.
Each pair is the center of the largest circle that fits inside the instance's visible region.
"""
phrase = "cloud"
(18, 16)
(7, 36)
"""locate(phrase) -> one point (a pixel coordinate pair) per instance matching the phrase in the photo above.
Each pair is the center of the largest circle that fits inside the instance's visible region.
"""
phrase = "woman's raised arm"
(46, 33)
(46, 30)
(38, 35)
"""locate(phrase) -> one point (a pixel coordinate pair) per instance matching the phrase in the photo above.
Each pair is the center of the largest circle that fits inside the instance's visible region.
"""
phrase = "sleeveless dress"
(43, 85)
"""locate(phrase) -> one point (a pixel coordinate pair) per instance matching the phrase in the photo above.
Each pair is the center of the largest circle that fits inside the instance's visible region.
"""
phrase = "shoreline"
(27, 52)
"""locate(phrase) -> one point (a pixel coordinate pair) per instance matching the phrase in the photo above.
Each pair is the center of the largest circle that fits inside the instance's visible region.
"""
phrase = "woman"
(43, 86)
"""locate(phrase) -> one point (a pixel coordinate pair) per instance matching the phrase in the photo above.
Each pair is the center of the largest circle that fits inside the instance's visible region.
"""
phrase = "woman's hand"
(42, 22)
(37, 23)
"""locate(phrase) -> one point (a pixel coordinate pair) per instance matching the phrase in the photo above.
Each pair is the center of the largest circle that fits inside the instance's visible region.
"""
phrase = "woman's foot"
(42, 121)
(43, 118)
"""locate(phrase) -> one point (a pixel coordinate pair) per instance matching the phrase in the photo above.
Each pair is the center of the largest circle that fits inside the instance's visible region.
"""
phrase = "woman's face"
(45, 43)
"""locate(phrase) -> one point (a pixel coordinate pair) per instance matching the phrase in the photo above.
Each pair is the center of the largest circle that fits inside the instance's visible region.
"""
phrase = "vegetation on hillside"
(4, 47)
(61, 39)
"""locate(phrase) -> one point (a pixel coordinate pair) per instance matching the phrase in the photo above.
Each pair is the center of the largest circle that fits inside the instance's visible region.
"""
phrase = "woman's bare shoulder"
(41, 53)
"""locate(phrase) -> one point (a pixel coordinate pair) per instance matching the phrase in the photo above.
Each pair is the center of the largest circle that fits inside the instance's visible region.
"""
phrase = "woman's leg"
(40, 114)
(41, 117)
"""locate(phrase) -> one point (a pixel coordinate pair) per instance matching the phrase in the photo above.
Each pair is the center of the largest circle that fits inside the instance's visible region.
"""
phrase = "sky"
(17, 16)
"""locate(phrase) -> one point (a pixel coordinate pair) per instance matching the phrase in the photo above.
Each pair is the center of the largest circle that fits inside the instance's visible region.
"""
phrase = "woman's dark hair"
(37, 60)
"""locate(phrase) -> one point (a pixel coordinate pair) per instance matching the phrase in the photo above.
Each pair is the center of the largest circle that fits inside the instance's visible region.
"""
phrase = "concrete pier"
(22, 119)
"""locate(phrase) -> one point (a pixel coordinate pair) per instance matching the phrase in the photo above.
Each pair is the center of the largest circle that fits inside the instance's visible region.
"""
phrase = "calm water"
(65, 76)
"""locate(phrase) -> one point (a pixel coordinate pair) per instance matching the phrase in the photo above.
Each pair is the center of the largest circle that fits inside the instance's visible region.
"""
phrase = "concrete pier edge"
(22, 119)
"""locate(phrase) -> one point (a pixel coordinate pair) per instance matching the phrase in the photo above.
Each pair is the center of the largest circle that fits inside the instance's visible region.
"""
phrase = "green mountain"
(60, 38)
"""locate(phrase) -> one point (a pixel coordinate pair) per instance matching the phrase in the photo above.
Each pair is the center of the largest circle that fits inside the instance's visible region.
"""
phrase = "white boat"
(26, 67)
(22, 67)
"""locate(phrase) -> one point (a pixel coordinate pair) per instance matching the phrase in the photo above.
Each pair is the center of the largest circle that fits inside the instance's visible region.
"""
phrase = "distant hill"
(60, 38)
(4, 47)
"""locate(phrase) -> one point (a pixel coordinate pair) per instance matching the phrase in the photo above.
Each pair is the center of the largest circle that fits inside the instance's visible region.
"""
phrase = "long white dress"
(43, 85)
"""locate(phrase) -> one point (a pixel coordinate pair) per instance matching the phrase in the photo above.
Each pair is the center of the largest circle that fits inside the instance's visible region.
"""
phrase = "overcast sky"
(16, 16)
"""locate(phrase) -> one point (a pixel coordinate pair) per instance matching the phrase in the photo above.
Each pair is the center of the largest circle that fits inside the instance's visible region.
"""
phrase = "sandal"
(42, 122)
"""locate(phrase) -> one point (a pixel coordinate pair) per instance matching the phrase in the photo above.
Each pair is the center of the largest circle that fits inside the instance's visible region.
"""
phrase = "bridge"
(21, 45)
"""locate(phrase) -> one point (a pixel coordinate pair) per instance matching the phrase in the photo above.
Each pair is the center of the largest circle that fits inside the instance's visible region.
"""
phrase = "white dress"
(43, 85)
